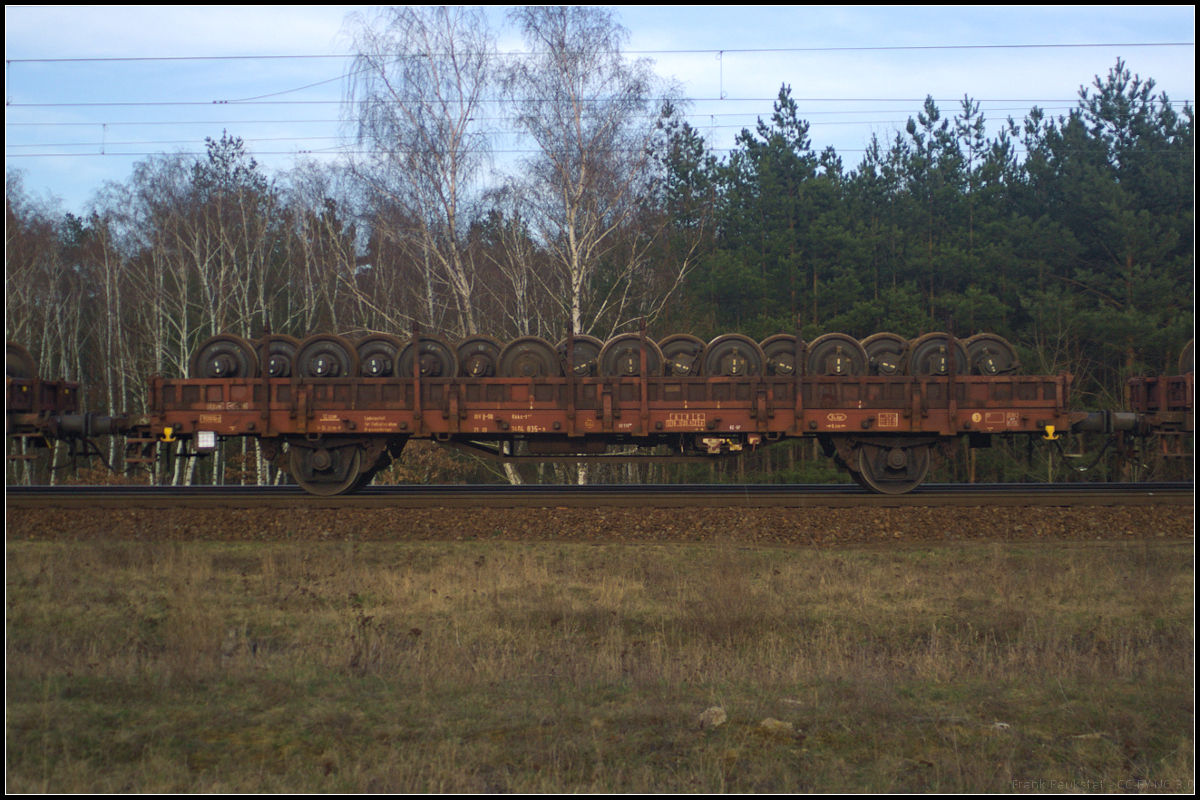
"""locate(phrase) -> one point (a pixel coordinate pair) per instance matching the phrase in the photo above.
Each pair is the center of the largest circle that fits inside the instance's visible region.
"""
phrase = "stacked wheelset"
(382, 355)
(25, 393)
(18, 363)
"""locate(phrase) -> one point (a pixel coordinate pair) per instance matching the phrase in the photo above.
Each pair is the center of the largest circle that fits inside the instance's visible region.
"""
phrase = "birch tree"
(590, 115)
(418, 81)
(320, 253)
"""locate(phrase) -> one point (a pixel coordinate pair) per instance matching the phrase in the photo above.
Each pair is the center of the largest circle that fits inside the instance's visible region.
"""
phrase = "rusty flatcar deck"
(612, 407)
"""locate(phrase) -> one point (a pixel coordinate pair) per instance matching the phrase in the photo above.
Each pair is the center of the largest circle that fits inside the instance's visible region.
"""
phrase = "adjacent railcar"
(33, 406)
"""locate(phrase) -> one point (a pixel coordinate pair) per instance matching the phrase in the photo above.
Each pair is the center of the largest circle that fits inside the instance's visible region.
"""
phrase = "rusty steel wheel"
(224, 356)
(325, 471)
(377, 355)
(529, 357)
(587, 354)
(621, 357)
(836, 354)
(326, 355)
(683, 354)
(18, 363)
(930, 355)
(990, 354)
(781, 354)
(733, 356)
(280, 362)
(438, 359)
(479, 357)
(887, 353)
(892, 470)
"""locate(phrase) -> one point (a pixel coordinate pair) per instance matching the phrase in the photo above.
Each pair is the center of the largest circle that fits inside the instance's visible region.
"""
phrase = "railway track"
(597, 496)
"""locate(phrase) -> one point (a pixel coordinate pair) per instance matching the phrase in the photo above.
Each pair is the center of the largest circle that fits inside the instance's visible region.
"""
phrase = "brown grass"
(541, 667)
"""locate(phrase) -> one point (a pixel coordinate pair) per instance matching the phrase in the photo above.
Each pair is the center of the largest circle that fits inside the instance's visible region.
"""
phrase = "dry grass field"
(524, 666)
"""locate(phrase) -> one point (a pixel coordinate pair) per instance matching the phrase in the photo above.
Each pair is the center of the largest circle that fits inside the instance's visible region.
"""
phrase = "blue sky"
(846, 95)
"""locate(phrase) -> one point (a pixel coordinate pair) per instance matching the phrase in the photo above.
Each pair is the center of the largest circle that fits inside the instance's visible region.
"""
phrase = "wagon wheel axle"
(325, 470)
(892, 469)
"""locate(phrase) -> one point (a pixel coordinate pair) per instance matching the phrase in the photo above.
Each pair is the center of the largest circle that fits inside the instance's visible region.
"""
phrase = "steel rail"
(597, 496)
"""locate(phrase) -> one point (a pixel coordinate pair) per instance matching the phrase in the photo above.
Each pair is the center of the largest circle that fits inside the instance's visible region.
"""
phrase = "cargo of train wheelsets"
(882, 428)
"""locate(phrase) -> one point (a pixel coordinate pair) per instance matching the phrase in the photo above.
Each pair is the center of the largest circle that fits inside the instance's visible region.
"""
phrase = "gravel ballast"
(778, 526)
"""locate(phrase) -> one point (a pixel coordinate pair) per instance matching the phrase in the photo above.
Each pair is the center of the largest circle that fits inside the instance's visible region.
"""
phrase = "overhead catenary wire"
(260, 99)
(342, 149)
(255, 139)
(697, 115)
(685, 51)
(337, 151)
(719, 52)
(722, 52)
(705, 122)
(307, 153)
(157, 103)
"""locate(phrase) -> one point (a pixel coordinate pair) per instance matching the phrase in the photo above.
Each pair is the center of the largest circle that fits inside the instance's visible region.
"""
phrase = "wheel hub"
(431, 366)
(527, 366)
(324, 367)
(987, 363)
(629, 363)
(784, 365)
(222, 365)
(377, 366)
(838, 363)
(681, 366)
(477, 366)
(735, 364)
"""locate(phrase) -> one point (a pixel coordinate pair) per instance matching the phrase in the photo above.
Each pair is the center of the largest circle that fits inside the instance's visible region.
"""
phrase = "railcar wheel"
(930, 355)
(377, 355)
(887, 353)
(683, 354)
(781, 353)
(621, 357)
(438, 359)
(854, 474)
(836, 354)
(893, 470)
(325, 471)
(733, 356)
(587, 355)
(479, 357)
(18, 363)
(529, 357)
(989, 354)
(281, 360)
(224, 356)
(326, 355)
